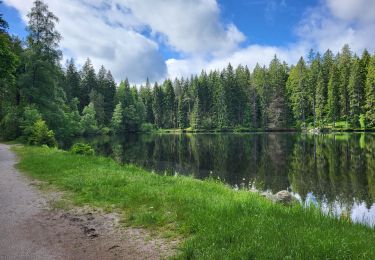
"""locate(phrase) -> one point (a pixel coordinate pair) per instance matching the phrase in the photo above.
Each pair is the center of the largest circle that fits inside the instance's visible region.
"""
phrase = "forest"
(41, 99)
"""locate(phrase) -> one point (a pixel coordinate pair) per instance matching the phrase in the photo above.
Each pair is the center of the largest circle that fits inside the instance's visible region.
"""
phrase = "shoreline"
(213, 220)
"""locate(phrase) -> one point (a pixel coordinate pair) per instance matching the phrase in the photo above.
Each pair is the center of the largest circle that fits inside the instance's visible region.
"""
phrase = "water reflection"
(336, 171)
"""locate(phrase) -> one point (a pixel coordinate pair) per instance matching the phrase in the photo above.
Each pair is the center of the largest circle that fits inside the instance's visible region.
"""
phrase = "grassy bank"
(215, 221)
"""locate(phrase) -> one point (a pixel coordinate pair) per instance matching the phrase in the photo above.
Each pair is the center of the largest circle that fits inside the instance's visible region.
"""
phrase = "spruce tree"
(278, 114)
(370, 94)
(182, 113)
(169, 105)
(72, 81)
(39, 82)
(320, 97)
(333, 104)
(196, 116)
(356, 92)
(117, 117)
(220, 106)
(158, 106)
(344, 66)
(88, 83)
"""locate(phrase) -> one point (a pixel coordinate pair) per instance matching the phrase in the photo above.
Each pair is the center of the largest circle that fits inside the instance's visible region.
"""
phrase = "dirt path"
(30, 229)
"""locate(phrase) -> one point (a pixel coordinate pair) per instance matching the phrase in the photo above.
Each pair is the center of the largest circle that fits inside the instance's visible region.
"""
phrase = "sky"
(156, 39)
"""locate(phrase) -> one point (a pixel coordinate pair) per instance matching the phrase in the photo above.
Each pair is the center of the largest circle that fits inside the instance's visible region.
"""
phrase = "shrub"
(81, 148)
(29, 117)
(147, 127)
(40, 134)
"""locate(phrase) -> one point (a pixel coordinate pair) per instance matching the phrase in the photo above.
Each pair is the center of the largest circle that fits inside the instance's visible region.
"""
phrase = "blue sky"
(168, 38)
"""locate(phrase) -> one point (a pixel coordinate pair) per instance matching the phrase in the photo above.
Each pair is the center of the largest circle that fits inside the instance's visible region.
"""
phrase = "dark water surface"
(334, 171)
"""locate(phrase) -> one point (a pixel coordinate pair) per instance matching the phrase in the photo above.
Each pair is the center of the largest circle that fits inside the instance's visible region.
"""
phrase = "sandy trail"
(30, 229)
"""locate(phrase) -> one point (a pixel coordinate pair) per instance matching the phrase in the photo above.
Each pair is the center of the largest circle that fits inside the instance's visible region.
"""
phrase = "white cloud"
(250, 56)
(188, 26)
(336, 22)
(97, 29)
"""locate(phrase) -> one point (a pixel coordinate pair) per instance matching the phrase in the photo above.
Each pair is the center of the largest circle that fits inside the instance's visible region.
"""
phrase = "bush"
(147, 127)
(29, 117)
(81, 148)
(40, 134)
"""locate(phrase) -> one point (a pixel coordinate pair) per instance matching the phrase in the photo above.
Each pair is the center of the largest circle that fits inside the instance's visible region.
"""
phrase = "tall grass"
(216, 222)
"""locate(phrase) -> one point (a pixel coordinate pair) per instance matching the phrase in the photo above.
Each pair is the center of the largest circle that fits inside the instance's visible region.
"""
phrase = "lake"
(334, 171)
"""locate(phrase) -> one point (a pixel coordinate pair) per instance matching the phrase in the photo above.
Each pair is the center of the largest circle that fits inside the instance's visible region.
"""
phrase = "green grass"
(214, 221)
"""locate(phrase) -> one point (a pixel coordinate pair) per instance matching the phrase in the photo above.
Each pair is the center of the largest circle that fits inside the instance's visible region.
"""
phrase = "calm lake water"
(334, 171)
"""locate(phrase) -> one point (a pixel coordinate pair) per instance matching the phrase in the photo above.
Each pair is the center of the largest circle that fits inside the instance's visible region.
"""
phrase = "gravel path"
(30, 229)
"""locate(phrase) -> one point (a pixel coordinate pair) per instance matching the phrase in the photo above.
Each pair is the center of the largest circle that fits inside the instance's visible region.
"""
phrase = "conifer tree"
(196, 116)
(356, 92)
(370, 94)
(39, 84)
(72, 81)
(158, 106)
(182, 113)
(344, 65)
(320, 97)
(333, 104)
(88, 83)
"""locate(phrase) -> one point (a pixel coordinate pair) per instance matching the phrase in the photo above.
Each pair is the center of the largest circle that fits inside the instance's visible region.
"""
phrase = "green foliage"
(10, 123)
(88, 83)
(158, 106)
(116, 122)
(72, 120)
(30, 116)
(147, 128)
(333, 105)
(370, 94)
(88, 120)
(344, 69)
(356, 92)
(41, 135)
(182, 116)
(297, 86)
(83, 149)
(196, 116)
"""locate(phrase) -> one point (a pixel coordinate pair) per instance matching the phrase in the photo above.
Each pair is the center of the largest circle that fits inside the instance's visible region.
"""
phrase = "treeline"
(35, 87)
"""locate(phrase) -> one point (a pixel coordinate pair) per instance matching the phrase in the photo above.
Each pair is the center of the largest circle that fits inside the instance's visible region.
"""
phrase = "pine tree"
(116, 122)
(278, 114)
(146, 95)
(72, 81)
(344, 65)
(220, 106)
(109, 93)
(182, 113)
(98, 102)
(320, 97)
(370, 94)
(169, 105)
(333, 105)
(196, 116)
(39, 84)
(260, 82)
(230, 87)
(88, 83)
(356, 92)
(158, 106)
(313, 74)
(88, 120)
(297, 86)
